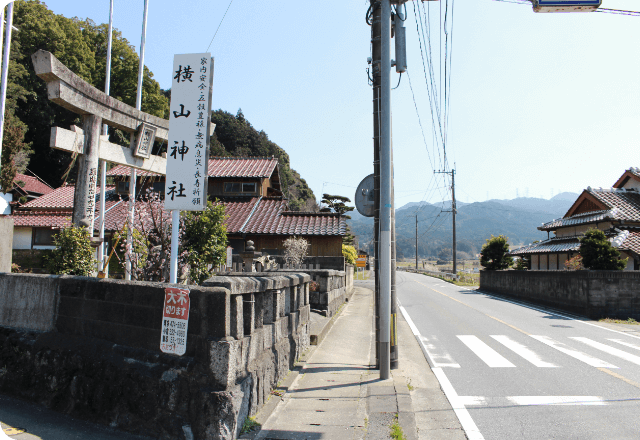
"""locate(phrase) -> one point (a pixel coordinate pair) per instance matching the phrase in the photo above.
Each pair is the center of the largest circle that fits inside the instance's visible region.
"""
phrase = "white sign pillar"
(188, 147)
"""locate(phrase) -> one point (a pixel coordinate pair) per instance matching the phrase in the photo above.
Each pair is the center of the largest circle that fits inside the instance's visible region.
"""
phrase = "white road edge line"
(528, 306)
(468, 425)
(556, 400)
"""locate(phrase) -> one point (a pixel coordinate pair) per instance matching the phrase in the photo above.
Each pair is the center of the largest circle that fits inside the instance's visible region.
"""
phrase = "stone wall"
(334, 263)
(595, 294)
(90, 348)
(6, 243)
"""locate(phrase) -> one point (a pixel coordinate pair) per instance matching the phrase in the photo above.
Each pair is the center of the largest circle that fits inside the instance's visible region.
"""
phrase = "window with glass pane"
(232, 187)
(44, 236)
(248, 187)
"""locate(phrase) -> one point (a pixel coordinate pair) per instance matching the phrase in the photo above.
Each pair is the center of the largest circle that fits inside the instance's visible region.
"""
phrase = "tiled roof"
(237, 211)
(631, 242)
(555, 244)
(312, 224)
(62, 198)
(242, 166)
(252, 215)
(220, 167)
(123, 170)
(580, 219)
(268, 216)
(42, 219)
(31, 184)
(627, 202)
(622, 239)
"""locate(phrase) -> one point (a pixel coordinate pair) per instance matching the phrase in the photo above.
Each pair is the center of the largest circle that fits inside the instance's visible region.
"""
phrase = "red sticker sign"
(175, 321)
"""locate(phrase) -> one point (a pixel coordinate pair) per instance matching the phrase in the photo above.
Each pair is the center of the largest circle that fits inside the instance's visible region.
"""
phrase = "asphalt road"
(513, 371)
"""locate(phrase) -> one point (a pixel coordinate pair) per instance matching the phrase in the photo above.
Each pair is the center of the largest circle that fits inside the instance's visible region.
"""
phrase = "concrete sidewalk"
(336, 393)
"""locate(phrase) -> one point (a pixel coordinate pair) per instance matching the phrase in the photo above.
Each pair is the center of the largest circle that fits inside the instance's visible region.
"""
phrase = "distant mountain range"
(475, 222)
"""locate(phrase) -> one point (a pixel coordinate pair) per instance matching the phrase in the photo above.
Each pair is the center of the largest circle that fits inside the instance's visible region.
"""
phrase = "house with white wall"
(615, 211)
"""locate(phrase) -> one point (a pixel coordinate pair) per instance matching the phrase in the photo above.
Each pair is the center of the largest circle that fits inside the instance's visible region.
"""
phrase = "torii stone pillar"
(73, 93)
(84, 200)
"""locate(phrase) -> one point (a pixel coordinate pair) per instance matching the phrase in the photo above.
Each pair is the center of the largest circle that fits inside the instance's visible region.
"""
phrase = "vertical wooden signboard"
(189, 125)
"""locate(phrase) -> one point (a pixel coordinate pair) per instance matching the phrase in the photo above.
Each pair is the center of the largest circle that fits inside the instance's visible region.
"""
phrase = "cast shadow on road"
(310, 369)
(291, 435)
(520, 302)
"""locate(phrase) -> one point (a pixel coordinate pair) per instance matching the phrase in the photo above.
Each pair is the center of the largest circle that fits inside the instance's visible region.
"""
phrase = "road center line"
(619, 376)
(473, 308)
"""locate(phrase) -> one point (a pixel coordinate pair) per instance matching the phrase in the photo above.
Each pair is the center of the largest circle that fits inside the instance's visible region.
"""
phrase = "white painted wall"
(630, 261)
(579, 230)
(553, 262)
(535, 262)
(5, 209)
(22, 238)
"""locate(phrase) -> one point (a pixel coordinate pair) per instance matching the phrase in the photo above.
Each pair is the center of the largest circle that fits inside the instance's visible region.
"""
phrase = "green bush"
(494, 254)
(204, 242)
(598, 254)
(73, 254)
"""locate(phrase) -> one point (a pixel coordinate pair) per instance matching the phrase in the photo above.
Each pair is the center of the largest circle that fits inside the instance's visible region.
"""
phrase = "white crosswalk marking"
(557, 400)
(488, 355)
(523, 351)
(611, 350)
(587, 359)
(439, 357)
(620, 341)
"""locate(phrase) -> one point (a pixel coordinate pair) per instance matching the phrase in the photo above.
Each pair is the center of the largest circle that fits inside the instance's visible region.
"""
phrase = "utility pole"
(453, 212)
(381, 70)
(416, 241)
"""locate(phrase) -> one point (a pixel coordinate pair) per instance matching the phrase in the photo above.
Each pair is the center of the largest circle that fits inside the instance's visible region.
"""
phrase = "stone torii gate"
(68, 90)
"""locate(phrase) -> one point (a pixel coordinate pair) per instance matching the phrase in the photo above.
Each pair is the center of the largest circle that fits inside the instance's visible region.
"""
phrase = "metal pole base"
(385, 360)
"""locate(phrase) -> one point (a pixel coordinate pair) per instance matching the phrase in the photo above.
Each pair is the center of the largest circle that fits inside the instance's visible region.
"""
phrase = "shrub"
(349, 253)
(204, 241)
(73, 254)
(295, 250)
(494, 254)
(598, 253)
(574, 263)
(523, 263)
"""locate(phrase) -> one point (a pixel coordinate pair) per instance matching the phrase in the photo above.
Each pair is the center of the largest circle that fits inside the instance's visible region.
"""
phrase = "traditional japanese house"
(248, 187)
(25, 188)
(615, 211)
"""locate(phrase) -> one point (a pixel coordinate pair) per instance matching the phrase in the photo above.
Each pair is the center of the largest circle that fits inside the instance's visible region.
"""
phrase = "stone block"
(6, 244)
(224, 361)
(248, 313)
(237, 317)
(28, 301)
(269, 306)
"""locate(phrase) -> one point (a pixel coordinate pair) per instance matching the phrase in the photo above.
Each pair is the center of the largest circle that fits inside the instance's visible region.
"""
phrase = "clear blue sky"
(548, 102)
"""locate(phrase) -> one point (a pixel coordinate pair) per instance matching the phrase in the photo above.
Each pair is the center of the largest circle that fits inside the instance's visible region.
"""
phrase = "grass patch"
(620, 321)
(411, 387)
(250, 425)
(396, 430)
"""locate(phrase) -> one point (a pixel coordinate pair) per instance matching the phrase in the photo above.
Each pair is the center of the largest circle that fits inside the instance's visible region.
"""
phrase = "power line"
(214, 35)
